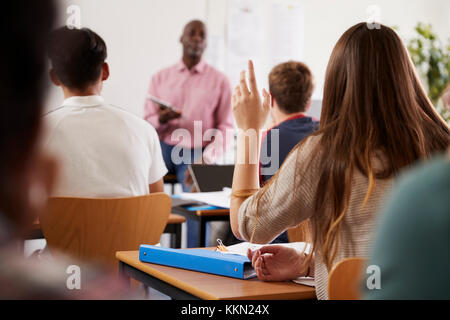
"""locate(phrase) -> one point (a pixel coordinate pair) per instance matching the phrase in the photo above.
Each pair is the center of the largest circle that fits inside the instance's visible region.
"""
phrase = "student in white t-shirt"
(105, 151)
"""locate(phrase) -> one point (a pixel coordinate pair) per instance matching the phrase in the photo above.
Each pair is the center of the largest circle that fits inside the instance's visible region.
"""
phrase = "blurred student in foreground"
(376, 121)
(27, 174)
(411, 246)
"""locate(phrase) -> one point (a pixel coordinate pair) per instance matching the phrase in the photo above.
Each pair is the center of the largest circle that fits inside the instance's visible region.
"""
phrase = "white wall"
(326, 20)
(143, 35)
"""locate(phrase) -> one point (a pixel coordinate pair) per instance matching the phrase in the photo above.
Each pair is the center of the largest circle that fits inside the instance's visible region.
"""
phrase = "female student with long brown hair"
(376, 120)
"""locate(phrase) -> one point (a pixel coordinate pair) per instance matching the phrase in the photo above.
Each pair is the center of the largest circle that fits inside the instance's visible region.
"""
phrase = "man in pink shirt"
(201, 97)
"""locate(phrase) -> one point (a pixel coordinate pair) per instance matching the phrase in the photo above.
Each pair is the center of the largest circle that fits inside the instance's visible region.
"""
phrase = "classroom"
(276, 150)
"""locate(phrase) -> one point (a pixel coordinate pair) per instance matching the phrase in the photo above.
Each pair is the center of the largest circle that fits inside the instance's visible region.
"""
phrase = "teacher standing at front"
(198, 92)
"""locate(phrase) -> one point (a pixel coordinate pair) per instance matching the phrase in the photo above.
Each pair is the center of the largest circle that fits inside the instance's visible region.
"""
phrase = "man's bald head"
(194, 23)
(193, 39)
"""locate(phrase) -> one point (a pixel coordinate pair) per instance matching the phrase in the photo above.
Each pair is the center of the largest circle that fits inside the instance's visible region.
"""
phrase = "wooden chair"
(93, 230)
(300, 233)
(344, 280)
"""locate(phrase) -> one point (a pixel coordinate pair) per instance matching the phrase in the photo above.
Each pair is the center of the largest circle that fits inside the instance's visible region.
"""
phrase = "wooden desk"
(203, 216)
(187, 285)
(173, 227)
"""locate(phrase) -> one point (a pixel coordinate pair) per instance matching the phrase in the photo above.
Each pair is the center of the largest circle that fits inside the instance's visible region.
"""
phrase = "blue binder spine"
(202, 260)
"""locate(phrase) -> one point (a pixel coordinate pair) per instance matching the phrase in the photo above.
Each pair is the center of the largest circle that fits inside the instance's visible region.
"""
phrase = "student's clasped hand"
(277, 263)
(248, 109)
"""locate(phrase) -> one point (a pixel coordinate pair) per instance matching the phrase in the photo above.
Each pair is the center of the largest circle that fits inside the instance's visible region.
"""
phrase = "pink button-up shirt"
(203, 95)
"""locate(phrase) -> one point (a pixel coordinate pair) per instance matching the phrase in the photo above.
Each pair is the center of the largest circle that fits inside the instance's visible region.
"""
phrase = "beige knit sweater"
(280, 208)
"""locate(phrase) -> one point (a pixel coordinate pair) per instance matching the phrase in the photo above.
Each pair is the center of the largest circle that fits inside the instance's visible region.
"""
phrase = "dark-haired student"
(27, 173)
(105, 151)
(291, 86)
(376, 121)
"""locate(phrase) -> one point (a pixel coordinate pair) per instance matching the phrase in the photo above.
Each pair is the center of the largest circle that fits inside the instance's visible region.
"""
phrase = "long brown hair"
(373, 102)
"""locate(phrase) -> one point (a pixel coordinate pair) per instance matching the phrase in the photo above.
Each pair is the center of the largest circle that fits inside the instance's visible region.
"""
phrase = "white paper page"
(241, 248)
(307, 281)
(245, 38)
(287, 31)
(217, 198)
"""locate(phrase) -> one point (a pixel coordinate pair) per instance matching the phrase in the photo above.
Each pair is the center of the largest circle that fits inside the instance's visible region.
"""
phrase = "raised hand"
(248, 109)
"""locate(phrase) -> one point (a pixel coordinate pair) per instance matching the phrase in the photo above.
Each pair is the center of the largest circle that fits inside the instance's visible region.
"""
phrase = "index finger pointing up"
(243, 85)
(252, 78)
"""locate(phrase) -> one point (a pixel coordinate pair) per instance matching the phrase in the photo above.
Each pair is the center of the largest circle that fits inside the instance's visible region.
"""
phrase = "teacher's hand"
(248, 109)
(165, 115)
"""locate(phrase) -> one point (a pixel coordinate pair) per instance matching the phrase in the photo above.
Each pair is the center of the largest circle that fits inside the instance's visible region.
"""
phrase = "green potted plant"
(432, 60)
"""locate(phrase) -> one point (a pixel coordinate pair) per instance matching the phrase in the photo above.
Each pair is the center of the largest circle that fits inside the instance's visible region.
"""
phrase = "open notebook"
(216, 198)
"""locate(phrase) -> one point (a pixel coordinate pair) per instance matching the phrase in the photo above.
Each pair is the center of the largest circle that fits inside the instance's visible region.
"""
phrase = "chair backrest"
(92, 230)
(300, 233)
(344, 279)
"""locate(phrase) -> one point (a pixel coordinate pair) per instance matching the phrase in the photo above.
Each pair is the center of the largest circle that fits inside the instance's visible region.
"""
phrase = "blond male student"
(105, 151)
